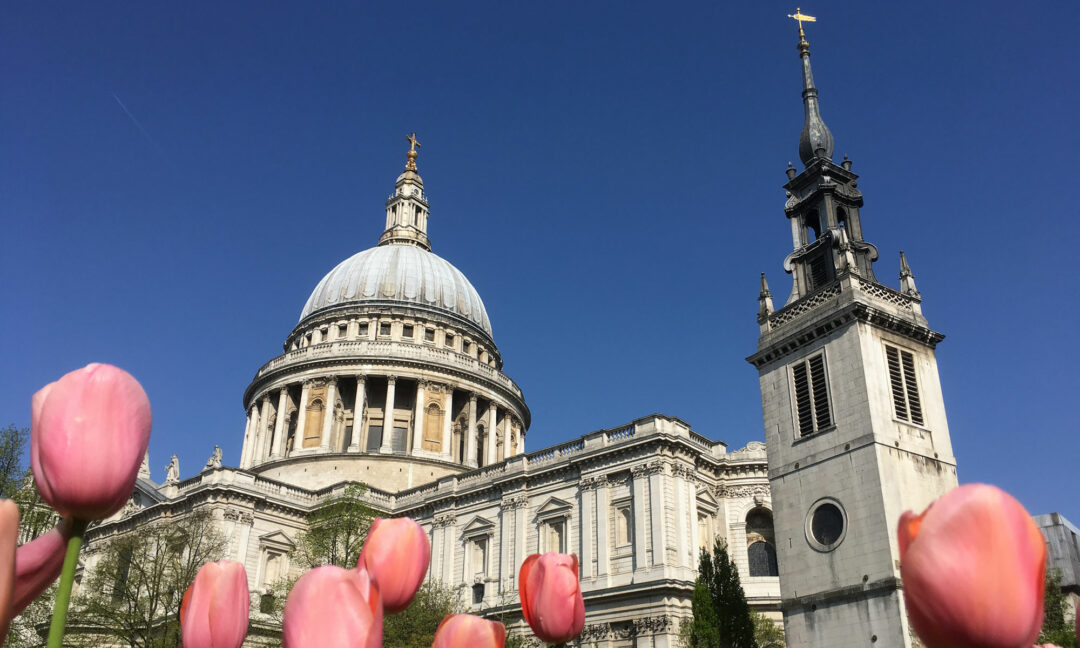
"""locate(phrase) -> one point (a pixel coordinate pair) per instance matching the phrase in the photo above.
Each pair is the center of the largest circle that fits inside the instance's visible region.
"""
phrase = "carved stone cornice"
(593, 482)
(515, 501)
(742, 491)
(444, 520)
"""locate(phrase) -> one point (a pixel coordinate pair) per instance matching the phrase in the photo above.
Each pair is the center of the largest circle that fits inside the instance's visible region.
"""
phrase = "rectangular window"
(905, 387)
(362, 330)
(407, 331)
(811, 395)
(479, 558)
(374, 438)
(623, 525)
(553, 536)
(384, 329)
(429, 335)
(342, 331)
(449, 339)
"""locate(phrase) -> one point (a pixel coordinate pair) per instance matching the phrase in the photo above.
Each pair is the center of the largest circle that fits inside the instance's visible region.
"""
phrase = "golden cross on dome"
(413, 143)
(800, 18)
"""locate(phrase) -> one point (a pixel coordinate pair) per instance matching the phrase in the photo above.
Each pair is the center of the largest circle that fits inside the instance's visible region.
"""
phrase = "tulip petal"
(331, 607)
(9, 538)
(396, 554)
(551, 600)
(214, 612)
(38, 564)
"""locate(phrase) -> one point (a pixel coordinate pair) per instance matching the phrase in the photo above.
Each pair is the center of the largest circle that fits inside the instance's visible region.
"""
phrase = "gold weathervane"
(800, 18)
(413, 143)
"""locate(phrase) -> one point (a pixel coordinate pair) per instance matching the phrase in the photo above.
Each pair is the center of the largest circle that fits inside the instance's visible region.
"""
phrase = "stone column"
(246, 449)
(681, 537)
(738, 549)
(490, 455)
(358, 417)
(277, 449)
(520, 548)
(450, 535)
(264, 431)
(695, 532)
(328, 414)
(447, 436)
(640, 550)
(470, 442)
(418, 418)
(587, 491)
(656, 505)
(388, 416)
(602, 541)
(301, 418)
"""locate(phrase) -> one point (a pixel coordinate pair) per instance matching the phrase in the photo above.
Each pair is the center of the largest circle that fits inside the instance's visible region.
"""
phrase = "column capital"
(422, 383)
(391, 379)
(360, 378)
(473, 397)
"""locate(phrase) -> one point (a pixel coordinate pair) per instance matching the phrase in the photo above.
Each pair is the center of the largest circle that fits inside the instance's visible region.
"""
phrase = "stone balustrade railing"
(389, 349)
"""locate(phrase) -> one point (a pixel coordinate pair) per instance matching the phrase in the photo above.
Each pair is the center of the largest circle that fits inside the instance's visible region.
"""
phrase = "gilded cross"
(800, 18)
(413, 142)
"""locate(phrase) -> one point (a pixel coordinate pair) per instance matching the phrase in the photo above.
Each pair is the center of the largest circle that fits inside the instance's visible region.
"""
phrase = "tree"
(336, 531)
(12, 467)
(722, 616)
(414, 627)
(767, 634)
(1055, 629)
(133, 593)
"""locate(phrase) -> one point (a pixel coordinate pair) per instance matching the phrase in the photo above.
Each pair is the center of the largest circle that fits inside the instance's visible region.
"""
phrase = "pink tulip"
(9, 538)
(468, 631)
(972, 566)
(38, 563)
(396, 554)
(89, 432)
(214, 613)
(331, 607)
(551, 596)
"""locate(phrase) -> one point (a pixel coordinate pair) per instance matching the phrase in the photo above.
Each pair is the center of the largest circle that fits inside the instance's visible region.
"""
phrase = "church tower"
(854, 416)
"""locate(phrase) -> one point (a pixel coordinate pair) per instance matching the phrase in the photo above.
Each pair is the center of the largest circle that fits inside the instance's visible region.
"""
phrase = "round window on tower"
(826, 524)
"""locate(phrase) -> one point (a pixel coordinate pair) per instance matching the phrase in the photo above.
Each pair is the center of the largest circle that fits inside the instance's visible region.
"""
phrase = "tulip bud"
(396, 554)
(551, 596)
(331, 607)
(89, 432)
(468, 631)
(9, 538)
(214, 612)
(38, 563)
(972, 566)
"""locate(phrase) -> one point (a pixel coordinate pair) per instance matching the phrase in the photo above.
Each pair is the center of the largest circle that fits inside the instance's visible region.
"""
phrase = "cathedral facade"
(392, 378)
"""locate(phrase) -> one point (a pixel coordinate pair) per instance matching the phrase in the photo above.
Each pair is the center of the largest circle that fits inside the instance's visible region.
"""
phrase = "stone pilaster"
(470, 443)
(359, 403)
(388, 416)
(656, 505)
(640, 550)
(277, 449)
(490, 456)
(603, 560)
(448, 411)
(301, 417)
(418, 418)
(328, 414)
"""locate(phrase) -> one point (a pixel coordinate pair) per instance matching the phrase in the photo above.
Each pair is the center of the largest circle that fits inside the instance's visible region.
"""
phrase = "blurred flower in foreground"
(88, 434)
(972, 566)
(331, 607)
(214, 613)
(396, 554)
(9, 537)
(38, 563)
(551, 599)
(468, 631)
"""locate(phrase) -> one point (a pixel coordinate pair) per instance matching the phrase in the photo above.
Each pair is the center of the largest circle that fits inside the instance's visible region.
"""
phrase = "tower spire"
(907, 280)
(407, 207)
(815, 141)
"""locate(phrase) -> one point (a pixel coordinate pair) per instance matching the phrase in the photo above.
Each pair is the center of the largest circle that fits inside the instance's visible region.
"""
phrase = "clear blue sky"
(176, 177)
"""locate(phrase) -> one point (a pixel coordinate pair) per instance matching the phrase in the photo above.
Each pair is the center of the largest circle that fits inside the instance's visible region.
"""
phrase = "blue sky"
(175, 178)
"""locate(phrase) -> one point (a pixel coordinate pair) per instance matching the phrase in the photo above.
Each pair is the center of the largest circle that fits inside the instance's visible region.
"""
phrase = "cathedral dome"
(399, 273)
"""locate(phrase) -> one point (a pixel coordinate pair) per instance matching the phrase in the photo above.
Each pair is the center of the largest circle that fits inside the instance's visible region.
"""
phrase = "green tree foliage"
(132, 594)
(722, 616)
(1055, 629)
(17, 483)
(767, 634)
(336, 531)
(415, 626)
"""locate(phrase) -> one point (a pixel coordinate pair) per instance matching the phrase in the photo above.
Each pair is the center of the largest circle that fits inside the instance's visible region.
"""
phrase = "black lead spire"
(815, 141)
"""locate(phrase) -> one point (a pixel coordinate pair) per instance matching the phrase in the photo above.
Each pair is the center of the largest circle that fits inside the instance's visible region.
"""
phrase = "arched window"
(762, 556)
(813, 224)
(761, 547)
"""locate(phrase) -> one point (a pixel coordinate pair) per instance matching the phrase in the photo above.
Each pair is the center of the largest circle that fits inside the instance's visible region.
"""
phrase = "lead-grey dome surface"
(402, 273)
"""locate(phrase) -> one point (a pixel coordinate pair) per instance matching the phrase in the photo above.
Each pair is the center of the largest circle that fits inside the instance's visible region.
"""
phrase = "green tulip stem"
(67, 578)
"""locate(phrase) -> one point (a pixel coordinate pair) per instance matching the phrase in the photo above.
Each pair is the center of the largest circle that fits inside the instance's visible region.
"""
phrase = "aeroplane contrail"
(134, 121)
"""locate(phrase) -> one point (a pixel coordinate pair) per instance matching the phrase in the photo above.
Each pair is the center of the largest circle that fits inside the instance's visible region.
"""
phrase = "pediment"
(554, 506)
(705, 499)
(478, 525)
(276, 539)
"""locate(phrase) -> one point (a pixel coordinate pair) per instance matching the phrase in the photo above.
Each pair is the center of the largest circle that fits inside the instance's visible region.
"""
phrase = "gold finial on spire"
(800, 18)
(413, 143)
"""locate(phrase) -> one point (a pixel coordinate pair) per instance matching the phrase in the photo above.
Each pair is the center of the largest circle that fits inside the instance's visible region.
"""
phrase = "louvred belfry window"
(811, 395)
(904, 385)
